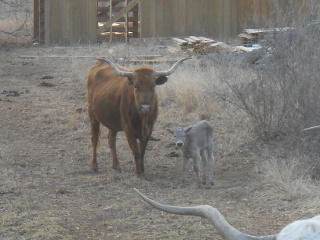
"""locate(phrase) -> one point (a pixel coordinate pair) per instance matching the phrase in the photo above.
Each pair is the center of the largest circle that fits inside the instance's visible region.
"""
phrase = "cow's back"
(199, 137)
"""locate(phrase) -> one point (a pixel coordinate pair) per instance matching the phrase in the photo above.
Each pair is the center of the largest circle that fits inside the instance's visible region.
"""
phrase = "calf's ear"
(170, 131)
(187, 129)
(161, 80)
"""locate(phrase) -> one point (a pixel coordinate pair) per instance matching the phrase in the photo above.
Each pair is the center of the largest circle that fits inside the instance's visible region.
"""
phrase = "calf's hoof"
(118, 170)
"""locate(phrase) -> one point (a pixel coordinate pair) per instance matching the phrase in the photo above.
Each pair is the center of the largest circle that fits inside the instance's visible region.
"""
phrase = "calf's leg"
(196, 169)
(204, 166)
(184, 172)
(211, 162)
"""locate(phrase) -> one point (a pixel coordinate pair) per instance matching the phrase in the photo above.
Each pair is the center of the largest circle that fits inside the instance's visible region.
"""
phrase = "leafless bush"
(15, 20)
(281, 95)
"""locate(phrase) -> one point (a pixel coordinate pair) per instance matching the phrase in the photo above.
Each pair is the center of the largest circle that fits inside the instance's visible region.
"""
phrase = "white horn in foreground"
(307, 229)
(213, 215)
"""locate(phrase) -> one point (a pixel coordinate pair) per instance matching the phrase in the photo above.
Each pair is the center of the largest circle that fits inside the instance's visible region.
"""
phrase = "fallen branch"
(311, 128)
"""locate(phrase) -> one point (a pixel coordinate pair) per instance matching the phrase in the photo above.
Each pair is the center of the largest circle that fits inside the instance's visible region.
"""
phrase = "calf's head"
(145, 80)
(179, 135)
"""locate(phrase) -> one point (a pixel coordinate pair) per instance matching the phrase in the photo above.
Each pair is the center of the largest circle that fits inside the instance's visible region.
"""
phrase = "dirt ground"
(47, 190)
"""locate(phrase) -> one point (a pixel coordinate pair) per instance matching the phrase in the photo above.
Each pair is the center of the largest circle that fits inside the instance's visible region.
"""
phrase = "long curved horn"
(117, 70)
(213, 215)
(172, 69)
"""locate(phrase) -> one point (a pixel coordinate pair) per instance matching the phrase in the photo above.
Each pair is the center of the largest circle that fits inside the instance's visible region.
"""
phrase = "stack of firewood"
(201, 45)
(252, 36)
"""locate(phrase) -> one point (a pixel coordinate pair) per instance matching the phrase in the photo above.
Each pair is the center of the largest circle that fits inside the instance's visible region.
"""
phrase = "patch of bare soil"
(48, 192)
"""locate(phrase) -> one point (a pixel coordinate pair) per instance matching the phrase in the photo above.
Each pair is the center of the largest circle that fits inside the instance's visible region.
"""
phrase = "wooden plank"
(36, 19)
(180, 41)
(154, 61)
(117, 16)
(54, 56)
(195, 39)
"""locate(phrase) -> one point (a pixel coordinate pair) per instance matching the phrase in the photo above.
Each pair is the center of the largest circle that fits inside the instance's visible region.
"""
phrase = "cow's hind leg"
(112, 137)
(95, 133)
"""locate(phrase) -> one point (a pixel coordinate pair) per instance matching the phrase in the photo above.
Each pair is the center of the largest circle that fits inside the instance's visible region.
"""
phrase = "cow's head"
(145, 80)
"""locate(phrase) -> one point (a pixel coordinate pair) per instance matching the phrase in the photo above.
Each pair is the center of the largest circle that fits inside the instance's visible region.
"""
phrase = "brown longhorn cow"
(124, 100)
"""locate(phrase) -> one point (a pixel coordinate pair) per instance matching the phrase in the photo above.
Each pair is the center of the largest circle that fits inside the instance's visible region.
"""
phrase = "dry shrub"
(281, 94)
(192, 89)
(288, 178)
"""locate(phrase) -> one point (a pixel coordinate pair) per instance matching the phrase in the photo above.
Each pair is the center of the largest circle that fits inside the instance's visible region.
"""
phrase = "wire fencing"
(16, 20)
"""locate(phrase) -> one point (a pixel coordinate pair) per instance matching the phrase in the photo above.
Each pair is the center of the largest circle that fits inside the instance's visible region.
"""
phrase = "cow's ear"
(170, 131)
(187, 129)
(161, 80)
(130, 80)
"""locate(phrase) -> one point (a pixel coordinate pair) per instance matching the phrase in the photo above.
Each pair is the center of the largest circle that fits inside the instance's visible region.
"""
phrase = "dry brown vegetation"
(48, 192)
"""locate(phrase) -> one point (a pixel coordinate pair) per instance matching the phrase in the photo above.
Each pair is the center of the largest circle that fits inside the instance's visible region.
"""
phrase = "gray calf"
(195, 141)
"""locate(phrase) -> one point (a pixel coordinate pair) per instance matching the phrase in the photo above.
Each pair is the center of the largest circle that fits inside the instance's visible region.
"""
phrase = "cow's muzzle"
(143, 107)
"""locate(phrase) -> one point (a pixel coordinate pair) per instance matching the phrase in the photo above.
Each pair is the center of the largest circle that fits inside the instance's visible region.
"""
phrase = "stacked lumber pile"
(252, 36)
(200, 45)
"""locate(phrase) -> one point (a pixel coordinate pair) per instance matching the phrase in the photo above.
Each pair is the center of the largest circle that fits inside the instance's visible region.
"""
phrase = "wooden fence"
(76, 21)
(70, 21)
(210, 18)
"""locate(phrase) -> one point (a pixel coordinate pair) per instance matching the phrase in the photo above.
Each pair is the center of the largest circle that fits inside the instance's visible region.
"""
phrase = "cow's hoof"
(94, 167)
(182, 186)
(204, 182)
(212, 183)
(140, 175)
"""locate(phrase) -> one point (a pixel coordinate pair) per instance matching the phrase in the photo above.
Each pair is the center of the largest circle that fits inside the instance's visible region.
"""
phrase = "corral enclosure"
(79, 21)
(267, 172)
(211, 18)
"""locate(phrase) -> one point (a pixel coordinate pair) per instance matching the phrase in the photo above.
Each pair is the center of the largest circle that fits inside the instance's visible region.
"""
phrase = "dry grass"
(288, 178)
(48, 192)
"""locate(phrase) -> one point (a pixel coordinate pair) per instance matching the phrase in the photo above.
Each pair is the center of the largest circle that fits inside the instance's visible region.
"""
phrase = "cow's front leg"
(112, 137)
(136, 153)
(143, 145)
